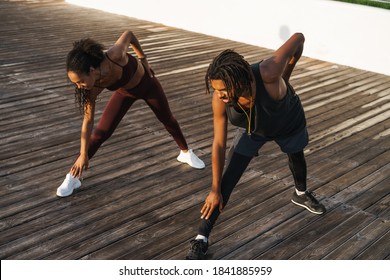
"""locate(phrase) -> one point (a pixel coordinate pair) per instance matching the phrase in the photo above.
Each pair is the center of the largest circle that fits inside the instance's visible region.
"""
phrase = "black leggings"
(236, 165)
(150, 90)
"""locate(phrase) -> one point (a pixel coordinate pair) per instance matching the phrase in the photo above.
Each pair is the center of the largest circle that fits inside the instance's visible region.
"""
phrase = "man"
(260, 101)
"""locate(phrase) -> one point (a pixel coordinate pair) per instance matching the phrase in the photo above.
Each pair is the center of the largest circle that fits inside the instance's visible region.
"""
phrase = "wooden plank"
(333, 238)
(377, 251)
(360, 241)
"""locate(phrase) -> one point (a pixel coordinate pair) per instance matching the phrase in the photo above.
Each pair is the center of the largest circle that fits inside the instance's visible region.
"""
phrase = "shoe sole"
(203, 257)
(196, 167)
(304, 206)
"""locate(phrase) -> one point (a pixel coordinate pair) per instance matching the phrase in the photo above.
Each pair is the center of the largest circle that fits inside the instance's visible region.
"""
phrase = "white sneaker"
(68, 185)
(191, 159)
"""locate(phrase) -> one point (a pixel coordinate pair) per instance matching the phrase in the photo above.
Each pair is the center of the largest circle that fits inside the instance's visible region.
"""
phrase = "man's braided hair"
(233, 70)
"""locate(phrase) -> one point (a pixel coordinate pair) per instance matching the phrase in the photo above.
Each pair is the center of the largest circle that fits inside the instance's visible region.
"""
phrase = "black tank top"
(270, 119)
(127, 72)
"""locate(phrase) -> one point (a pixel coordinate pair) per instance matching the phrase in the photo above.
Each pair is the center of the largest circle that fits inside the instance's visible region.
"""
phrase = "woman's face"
(82, 81)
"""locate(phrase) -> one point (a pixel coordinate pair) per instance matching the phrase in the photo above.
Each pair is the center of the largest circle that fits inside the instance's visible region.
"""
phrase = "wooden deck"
(137, 201)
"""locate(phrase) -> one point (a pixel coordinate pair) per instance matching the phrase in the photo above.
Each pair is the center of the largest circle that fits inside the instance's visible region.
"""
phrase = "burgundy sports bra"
(128, 72)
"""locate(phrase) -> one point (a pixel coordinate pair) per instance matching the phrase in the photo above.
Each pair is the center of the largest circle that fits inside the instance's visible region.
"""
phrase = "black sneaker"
(309, 202)
(198, 250)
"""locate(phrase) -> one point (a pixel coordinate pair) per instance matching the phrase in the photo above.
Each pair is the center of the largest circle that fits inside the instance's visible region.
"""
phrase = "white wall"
(352, 35)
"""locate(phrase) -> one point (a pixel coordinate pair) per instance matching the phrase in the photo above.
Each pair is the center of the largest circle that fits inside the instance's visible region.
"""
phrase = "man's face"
(220, 90)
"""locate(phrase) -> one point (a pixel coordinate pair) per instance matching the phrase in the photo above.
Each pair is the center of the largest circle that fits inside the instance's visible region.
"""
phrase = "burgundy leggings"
(150, 90)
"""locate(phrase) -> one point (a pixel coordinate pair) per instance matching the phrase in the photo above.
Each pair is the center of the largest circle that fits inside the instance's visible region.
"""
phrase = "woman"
(92, 70)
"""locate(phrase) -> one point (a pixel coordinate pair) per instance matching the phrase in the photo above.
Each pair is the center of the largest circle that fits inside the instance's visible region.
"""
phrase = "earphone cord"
(249, 118)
